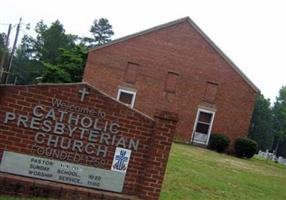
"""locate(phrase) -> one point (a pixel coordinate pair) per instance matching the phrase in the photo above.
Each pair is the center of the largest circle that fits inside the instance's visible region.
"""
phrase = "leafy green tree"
(69, 67)
(2, 44)
(101, 31)
(25, 66)
(36, 53)
(279, 122)
(70, 62)
(261, 123)
(54, 56)
(46, 47)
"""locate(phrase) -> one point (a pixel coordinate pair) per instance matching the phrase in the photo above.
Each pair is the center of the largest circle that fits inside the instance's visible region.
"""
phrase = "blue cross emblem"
(121, 159)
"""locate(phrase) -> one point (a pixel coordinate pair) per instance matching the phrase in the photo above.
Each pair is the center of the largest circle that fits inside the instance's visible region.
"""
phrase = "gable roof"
(192, 23)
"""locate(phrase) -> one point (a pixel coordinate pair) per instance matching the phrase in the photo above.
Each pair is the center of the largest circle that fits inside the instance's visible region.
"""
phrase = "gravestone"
(271, 156)
(281, 160)
(71, 141)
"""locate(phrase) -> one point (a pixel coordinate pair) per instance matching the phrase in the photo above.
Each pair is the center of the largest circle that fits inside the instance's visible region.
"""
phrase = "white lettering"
(39, 137)
(35, 123)
(84, 120)
(23, 119)
(83, 131)
(71, 130)
(87, 146)
(59, 128)
(104, 138)
(56, 102)
(9, 117)
(35, 111)
(133, 144)
(121, 142)
(101, 150)
(62, 115)
(73, 118)
(53, 140)
(77, 144)
(51, 114)
(93, 135)
(47, 126)
(114, 128)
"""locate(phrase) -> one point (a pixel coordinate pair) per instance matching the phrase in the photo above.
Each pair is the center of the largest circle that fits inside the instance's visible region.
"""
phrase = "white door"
(203, 126)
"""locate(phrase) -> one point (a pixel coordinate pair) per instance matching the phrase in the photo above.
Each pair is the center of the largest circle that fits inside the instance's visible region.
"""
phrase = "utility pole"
(13, 52)
(5, 53)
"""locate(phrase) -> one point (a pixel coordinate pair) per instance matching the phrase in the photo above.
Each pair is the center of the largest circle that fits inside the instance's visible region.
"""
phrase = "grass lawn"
(196, 173)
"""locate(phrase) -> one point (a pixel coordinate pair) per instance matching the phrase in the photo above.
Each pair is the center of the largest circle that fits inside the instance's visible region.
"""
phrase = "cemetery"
(201, 174)
(271, 156)
(162, 113)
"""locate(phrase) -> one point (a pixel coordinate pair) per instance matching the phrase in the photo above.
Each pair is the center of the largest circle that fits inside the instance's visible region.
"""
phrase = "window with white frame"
(126, 96)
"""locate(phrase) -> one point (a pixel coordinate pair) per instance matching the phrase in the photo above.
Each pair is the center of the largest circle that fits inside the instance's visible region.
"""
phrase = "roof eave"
(227, 59)
(193, 24)
(140, 33)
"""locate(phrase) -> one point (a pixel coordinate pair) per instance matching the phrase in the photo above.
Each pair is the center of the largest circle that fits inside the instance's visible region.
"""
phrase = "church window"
(126, 96)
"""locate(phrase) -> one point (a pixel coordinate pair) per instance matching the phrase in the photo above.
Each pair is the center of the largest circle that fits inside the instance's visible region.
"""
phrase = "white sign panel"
(54, 170)
(121, 159)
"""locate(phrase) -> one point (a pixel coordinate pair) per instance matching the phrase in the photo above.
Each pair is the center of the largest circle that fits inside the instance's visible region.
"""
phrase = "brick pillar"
(160, 145)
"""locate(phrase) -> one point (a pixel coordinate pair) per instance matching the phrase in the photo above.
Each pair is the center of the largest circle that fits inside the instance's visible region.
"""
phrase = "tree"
(25, 67)
(279, 123)
(55, 56)
(49, 40)
(70, 62)
(101, 31)
(261, 123)
(2, 44)
(35, 54)
(69, 67)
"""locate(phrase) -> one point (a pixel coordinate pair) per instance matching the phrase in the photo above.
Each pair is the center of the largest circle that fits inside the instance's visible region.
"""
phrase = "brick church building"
(176, 67)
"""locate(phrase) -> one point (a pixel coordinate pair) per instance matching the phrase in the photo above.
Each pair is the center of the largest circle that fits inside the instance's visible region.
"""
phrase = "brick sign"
(77, 135)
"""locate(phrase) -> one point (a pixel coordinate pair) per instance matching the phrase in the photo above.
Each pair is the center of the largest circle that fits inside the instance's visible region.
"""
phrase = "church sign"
(56, 129)
(60, 171)
(76, 135)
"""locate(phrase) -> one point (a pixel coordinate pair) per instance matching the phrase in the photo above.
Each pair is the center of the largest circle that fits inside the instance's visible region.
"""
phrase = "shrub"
(245, 147)
(219, 142)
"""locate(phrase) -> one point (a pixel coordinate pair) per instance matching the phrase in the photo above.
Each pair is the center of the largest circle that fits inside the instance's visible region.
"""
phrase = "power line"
(4, 24)
(13, 52)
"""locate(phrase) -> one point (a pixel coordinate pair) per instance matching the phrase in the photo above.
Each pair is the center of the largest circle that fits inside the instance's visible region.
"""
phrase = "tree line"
(53, 55)
(268, 123)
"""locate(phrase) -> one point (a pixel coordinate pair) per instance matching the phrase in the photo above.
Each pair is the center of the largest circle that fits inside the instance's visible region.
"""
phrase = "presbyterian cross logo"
(121, 159)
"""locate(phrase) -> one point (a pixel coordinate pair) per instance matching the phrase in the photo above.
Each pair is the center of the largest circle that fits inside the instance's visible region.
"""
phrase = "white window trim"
(196, 121)
(129, 92)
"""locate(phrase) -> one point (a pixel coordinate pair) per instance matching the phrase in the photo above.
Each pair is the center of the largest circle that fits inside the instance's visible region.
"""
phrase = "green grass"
(196, 173)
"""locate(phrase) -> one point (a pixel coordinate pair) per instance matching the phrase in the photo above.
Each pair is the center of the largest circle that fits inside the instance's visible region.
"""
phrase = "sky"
(251, 32)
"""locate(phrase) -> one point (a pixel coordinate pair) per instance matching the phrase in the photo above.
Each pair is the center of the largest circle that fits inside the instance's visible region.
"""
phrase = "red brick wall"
(22, 99)
(180, 49)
